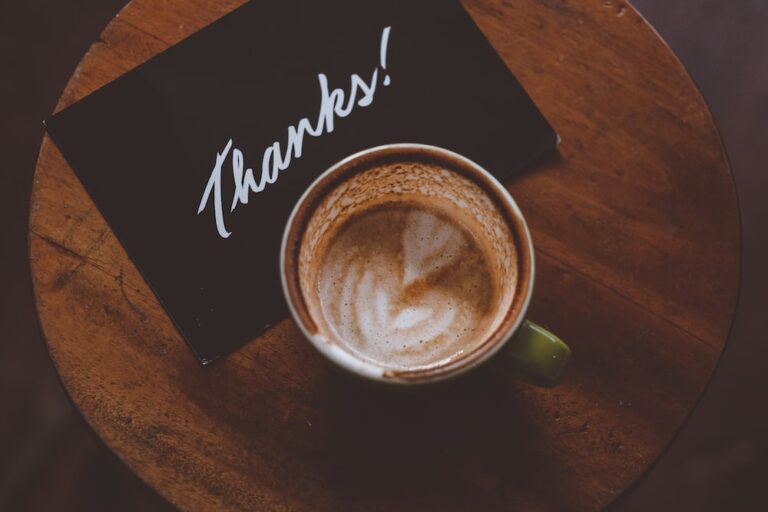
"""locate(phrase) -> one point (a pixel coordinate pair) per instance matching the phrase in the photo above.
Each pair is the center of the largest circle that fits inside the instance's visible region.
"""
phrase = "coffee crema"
(408, 265)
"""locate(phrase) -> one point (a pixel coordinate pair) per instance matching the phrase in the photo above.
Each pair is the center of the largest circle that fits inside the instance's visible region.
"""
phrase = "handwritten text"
(334, 103)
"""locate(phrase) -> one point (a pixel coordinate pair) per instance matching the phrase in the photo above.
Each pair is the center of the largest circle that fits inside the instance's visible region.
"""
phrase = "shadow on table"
(451, 446)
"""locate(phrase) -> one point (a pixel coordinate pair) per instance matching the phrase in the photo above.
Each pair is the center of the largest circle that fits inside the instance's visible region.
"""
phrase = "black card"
(270, 96)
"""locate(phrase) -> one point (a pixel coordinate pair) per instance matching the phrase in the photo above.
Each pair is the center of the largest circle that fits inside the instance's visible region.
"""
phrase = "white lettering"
(274, 160)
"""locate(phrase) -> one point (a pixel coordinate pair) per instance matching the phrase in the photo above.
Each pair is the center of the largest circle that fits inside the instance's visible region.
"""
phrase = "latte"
(408, 265)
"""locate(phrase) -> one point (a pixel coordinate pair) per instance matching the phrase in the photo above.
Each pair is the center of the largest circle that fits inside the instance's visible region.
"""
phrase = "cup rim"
(366, 369)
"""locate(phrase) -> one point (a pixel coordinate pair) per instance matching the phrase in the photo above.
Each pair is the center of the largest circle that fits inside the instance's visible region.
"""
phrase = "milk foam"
(403, 286)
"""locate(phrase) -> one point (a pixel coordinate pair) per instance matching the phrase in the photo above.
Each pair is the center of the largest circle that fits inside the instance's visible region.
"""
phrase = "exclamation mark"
(383, 53)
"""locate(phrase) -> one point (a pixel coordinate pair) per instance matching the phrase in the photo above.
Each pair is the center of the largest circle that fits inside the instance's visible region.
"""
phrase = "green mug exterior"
(536, 355)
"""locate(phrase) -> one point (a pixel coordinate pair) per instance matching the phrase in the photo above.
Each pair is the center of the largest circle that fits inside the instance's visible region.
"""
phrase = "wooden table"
(636, 227)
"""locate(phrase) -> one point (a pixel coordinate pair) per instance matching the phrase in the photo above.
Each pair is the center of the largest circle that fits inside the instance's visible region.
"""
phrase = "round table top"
(636, 227)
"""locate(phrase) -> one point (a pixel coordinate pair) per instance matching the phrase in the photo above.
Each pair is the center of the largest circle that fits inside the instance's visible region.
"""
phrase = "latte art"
(406, 263)
(402, 285)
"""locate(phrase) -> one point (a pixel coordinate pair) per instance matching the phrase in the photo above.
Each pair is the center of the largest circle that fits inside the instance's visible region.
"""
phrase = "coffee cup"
(410, 264)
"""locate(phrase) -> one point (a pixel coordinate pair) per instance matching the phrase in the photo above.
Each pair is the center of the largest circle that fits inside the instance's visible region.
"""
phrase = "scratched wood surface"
(636, 228)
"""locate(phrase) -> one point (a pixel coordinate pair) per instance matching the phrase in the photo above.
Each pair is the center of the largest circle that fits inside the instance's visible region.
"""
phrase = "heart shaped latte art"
(398, 284)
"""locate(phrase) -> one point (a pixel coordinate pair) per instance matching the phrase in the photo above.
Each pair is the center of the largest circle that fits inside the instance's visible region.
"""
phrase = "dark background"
(49, 460)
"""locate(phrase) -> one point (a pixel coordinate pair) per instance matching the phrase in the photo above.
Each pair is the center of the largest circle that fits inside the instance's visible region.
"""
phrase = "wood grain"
(636, 228)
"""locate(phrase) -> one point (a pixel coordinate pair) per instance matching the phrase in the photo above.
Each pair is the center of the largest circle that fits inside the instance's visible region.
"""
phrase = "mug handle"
(537, 356)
